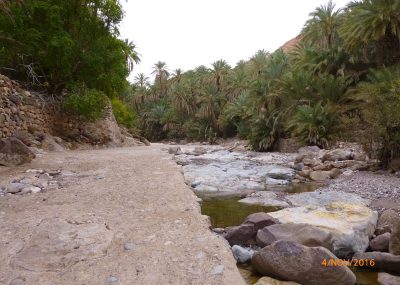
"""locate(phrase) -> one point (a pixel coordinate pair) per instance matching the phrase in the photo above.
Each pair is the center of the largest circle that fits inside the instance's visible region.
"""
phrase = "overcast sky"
(189, 33)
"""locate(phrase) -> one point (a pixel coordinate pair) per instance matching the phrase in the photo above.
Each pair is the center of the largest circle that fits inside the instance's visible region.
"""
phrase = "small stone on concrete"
(219, 269)
(129, 246)
(112, 280)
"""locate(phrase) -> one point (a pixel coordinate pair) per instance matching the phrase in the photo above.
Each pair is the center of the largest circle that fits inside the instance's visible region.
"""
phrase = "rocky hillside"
(30, 121)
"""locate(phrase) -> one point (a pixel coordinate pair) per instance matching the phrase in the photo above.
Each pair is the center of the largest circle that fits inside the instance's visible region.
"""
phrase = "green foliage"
(123, 114)
(57, 43)
(315, 125)
(85, 102)
(379, 99)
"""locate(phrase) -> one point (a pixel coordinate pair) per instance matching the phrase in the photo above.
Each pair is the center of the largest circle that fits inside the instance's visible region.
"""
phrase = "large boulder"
(104, 131)
(388, 279)
(271, 281)
(298, 233)
(49, 143)
(380, 243)
(245, 233)
(338, 155)
(281, 173)
(289, 261)
(14, 152)
(322, 199)
(383, 261)
(240, 235)
(394, 242)
(260, 220)
(351, 225)
(386, 221)
(174, 150)
(320, 175)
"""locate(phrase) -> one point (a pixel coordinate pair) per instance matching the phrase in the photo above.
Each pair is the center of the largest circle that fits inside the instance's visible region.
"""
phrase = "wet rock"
(272, 181)
(174, 150)
(270, 281)
(260, 220)
(380, 243)
(394, 242)
(320, 175)
(242, 255)
(383, 261)
(290, 261)
(351, 225)
(240, 235)
(14, 152)
(388, 279)
(57, 244)
(264, 198)
(298, 233)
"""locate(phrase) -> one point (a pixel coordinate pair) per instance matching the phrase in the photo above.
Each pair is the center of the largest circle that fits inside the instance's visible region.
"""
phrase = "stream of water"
(227, 211)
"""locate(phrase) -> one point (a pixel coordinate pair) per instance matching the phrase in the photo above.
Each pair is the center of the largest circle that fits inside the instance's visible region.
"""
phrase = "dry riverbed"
(120, 216)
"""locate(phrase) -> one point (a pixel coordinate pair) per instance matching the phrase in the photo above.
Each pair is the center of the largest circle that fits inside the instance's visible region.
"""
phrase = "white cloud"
(189, 33)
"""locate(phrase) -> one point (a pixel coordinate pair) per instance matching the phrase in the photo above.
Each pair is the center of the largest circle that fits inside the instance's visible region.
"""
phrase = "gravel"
(382, 189)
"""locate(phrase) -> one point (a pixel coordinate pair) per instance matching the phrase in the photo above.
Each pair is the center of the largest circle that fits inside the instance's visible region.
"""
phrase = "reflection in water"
(225, 212)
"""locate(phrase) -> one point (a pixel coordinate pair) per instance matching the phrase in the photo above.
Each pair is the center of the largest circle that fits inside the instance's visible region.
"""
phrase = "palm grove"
(340, 81)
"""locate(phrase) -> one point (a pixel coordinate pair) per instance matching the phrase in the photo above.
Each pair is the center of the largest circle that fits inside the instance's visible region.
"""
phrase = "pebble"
(129, 246)
(219, 269)
(112, 280)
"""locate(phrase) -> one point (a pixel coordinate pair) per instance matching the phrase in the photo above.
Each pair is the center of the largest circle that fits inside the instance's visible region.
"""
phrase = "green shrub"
(314, 125)
(85, 102)
(123, 114)
(379, 100)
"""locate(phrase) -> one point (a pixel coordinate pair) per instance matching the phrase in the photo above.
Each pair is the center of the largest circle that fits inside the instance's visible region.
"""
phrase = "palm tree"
(141, 79)
(322, 28)
(219, 72)
(258, 62)
(238, 80)
(177, 75)
(210, 103)
(160, 70)
(374, 22)
(132, 56)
